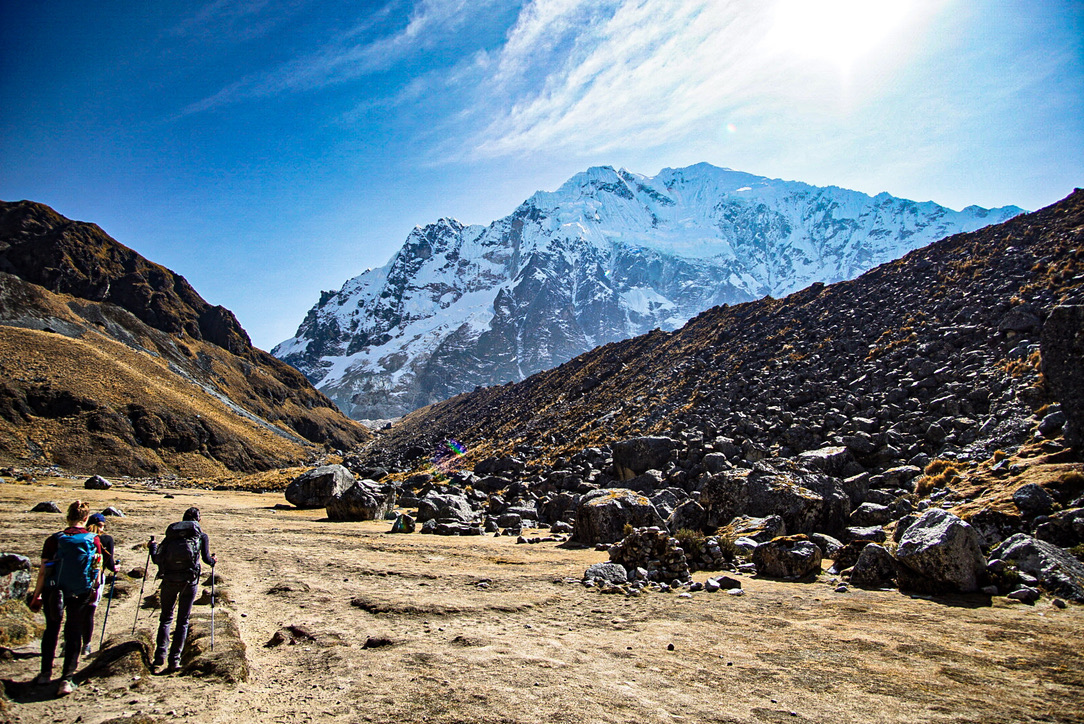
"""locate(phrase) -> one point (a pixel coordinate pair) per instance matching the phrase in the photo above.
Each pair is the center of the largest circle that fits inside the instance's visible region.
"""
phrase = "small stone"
(736, 592)
(1058, 603)
(841, 589)
(669, 647)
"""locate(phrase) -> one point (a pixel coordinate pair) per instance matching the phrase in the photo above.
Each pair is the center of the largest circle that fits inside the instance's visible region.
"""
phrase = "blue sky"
(270, 149)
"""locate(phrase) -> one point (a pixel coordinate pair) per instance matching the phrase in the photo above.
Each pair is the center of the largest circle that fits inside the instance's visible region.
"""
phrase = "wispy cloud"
(348, 56)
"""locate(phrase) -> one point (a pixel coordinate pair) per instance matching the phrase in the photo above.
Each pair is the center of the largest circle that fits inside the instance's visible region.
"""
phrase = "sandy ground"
(484, 630)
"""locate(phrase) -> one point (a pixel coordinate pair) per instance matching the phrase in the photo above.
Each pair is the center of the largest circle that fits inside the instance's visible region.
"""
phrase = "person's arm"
(109, 562)
(48, 551)
(205, 550)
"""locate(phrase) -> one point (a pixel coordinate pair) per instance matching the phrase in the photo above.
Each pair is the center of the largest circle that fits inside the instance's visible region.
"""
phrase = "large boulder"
(1064, 529)
(97, 482)
(690, 515)
(446, 506)
(761, 530)
(314, 488)
(807, 502)
(14, 576)
(638, 455)
(1056, 570)
(939, 553)
(606, 573)
(830, 460)
(364, 500)
(1062, 348)
(875, 568)
(870, 514)
(1032, 499)
(791, 557)
(602, 515)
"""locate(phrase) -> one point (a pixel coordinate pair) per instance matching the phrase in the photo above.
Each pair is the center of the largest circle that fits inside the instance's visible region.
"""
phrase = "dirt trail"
(484, 630)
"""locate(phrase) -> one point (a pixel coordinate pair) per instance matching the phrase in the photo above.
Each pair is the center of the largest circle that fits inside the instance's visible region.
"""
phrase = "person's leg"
(180, 633)
(74, 616)
(88, 626)
(168, 594)
(53, 606)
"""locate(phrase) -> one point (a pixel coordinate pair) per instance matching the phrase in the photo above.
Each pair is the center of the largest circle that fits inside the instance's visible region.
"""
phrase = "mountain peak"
(609, 255)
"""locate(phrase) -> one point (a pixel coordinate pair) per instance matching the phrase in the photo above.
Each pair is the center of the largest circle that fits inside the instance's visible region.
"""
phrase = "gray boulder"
(666, 500)
(940, 552)
(875, 568)
(602, 515)
(364, 500)
(761, 530)
(689, 515)
(828, 545)
(1064, 528)
(638, 455)
(1062, 346)
(97, 482)
(828, 460)
(113, 512)
(46, 507)
(314, 488)
(445, 506)
(869, 514)
(791, 557)
(607, 572)
(1056, 570)
(1032, 499)
(14, 576)
(807, 502)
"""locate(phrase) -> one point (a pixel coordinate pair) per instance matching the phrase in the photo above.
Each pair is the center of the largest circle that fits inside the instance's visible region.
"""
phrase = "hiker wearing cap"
(71, 562)
(96, 524)
(178, 561)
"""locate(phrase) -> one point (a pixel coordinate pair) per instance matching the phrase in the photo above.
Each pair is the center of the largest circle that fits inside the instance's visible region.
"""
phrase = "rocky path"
(369, 627)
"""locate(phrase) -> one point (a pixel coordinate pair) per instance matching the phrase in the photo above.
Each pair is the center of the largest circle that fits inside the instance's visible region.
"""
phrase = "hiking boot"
(86, 650)
(66, 687)
(41, 679)
(174, 665)
(159, 661)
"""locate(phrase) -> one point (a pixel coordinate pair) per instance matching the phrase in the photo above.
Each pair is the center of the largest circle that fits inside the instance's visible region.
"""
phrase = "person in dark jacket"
(96, 524)
(178, 561)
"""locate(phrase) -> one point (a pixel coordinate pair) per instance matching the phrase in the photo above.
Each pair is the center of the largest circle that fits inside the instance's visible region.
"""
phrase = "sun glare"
(838, 30)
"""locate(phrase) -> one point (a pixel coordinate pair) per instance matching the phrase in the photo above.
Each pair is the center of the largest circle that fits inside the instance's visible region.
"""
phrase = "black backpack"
(180, 550)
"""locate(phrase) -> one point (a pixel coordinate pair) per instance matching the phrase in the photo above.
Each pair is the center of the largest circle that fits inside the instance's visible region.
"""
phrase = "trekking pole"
(146, 572)
(112, 585)
(212, 607)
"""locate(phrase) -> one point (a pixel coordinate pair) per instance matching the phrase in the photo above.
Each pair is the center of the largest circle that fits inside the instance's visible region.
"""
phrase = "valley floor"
(481, 629)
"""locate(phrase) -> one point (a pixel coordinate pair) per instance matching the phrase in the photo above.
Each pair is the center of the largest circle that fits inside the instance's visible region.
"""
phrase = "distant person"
(96, 524)
(178, 561)
(71, 562)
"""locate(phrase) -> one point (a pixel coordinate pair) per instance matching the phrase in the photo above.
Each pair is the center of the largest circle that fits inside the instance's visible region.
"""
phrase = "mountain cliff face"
(111, 363)
(608, 256)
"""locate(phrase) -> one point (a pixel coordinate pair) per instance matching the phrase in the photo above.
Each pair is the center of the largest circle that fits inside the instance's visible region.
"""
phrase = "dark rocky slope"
(115, 363)
(933, 355)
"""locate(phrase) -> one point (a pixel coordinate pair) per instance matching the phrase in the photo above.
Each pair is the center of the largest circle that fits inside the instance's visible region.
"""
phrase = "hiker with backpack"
(71, 562)
(178, 561)
(96, 524)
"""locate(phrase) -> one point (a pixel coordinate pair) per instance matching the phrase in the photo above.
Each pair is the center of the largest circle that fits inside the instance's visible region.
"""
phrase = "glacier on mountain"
(609, 255)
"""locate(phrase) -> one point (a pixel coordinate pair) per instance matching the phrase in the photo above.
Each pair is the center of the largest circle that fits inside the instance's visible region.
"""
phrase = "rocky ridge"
(114, 364)
(849, 414)
(608, 256)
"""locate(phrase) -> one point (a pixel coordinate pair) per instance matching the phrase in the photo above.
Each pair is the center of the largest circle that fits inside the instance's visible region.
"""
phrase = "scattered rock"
(791, 557)
(15, 576)
(607, 573)
(46, 507)
(1032, 499)
(1055, 569)
(940, 552)
(603, 514)
(314, 488)
(875, 568)
(97, 482)
(364, 500)
(1062, 345)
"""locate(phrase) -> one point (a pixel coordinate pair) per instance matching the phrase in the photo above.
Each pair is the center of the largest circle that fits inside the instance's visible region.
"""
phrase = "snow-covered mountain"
(609, 255)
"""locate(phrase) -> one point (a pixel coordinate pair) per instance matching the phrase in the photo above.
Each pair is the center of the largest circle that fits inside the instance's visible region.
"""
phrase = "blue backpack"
(77, 563)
